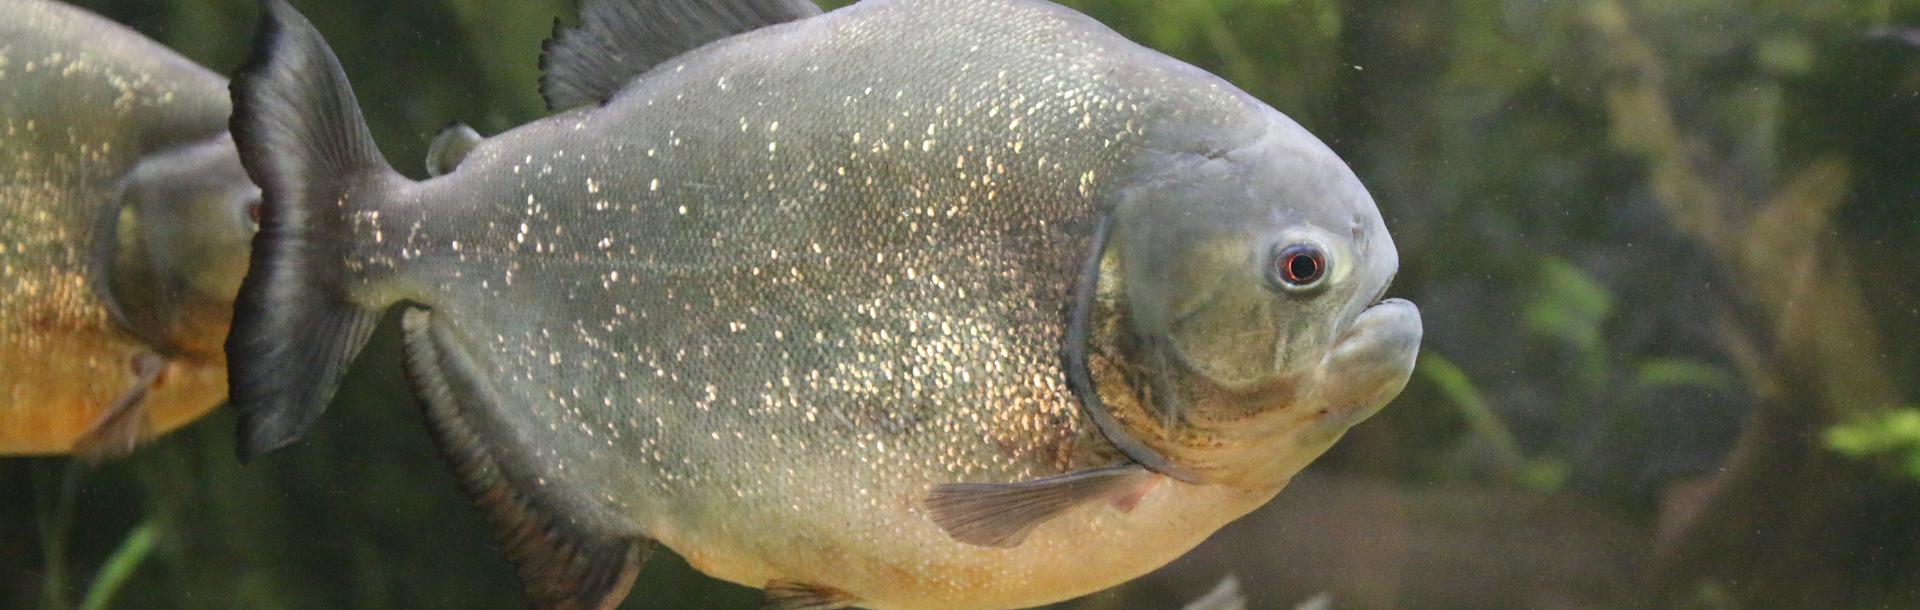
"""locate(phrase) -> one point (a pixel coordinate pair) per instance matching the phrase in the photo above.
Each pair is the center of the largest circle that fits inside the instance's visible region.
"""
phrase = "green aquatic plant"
(1538, 474)
(1569, 308)
(132, 552)
(1572, 307)
(1892, 435)
(56, 486)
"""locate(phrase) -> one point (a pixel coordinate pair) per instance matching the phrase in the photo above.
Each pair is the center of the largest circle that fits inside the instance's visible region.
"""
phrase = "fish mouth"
(1367, 362)
(1381, 295)
(1377, 351)
(1348, 326)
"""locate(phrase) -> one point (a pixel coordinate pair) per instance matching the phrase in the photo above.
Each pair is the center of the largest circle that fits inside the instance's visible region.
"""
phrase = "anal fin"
(125, 423)
(562, 565)
(1001, 514)
(790, 595)
(1225, 596)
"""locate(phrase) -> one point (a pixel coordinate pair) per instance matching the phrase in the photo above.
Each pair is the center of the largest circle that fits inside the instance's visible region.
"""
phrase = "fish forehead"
(780, 242)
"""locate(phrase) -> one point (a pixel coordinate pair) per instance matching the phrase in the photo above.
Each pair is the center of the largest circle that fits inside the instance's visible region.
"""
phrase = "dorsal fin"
(450, 147)
(619, 39)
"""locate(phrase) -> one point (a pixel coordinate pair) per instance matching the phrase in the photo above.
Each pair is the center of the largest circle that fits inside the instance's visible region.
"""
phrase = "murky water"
(1667, 253)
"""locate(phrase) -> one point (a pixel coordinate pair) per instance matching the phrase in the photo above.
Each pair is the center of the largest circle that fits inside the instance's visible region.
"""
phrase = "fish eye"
(1297, 267)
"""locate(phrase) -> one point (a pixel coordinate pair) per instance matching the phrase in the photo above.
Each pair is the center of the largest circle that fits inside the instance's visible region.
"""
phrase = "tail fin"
(304, 142)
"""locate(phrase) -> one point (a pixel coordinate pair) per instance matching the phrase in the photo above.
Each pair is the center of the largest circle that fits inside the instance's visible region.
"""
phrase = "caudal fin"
(304, 142)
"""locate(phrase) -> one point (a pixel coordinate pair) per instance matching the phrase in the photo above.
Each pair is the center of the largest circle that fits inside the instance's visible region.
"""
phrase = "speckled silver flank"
(717, 277)
(776, 289)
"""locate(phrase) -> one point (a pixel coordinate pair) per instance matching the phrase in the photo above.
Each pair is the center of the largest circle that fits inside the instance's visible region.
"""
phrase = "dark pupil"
(1302, 265)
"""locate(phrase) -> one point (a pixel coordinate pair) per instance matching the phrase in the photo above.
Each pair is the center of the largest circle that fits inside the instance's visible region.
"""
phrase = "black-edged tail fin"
(304, 142)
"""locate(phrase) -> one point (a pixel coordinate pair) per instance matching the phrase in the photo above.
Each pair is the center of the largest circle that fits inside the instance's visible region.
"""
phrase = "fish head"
(181, 242)
(1252, 264)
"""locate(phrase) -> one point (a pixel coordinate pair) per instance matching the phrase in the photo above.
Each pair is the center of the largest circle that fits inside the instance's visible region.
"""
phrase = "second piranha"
(914, 305)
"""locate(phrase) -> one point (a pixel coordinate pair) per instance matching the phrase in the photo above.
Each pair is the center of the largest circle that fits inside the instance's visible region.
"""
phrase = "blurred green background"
(1667, 251)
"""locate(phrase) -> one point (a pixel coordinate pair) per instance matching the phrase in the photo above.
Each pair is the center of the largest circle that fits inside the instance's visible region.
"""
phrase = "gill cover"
(176, 246)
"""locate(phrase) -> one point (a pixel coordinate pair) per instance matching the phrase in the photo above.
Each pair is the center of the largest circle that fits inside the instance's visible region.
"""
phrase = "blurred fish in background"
(125, 218)
(124, 227)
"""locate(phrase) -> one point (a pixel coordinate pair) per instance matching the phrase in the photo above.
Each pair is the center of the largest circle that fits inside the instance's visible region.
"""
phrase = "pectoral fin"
(1001, 514)
(125, 423)
(563, 565)
(789, 595)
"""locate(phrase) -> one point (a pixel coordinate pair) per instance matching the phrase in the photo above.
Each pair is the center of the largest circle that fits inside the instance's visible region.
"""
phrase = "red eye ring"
(1299, 266)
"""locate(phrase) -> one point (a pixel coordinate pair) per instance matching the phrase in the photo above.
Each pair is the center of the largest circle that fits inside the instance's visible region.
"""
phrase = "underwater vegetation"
(1665, 252)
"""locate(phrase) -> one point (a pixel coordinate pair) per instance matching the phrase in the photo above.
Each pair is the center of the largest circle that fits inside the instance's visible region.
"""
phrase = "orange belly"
(55, 384)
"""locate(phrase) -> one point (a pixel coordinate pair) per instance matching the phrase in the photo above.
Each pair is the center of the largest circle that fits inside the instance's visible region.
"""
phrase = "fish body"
(835, 306)
(123, 233)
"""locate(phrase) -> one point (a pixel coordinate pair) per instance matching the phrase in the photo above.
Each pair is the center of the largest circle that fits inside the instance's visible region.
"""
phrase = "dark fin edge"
(1001, 514)
(618, 40)
(790, 595)
(450, 147)
(304, 142)
(1080, 377)
(562, 567)
(126, 422)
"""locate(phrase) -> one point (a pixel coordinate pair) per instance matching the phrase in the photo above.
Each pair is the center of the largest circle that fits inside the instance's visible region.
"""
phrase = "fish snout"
(1369, 364)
